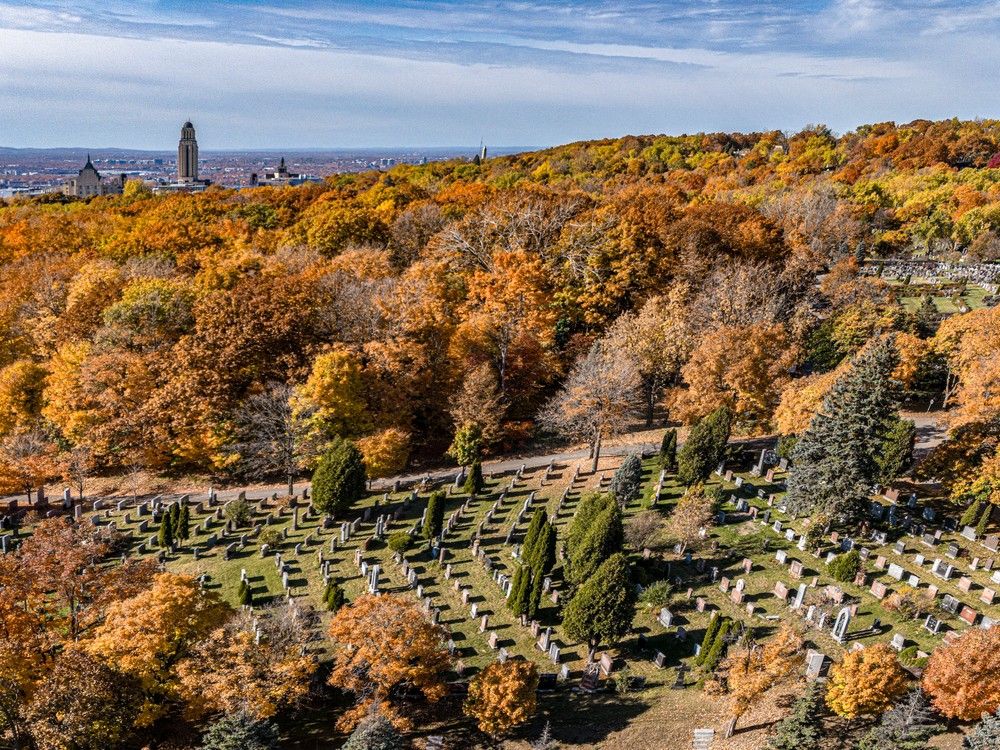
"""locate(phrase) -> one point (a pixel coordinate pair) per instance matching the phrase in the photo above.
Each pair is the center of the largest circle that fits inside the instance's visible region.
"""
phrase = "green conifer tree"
(627, 480)
(800, 730)
(717, 649)
(986, 734)
(984, 519)
(668, 451)
(165, 537)
(520, 591)
(434, 520)
(528, 547)
(240, 731)
(535, 594)
(897, 449)
(544, 558)
(906, 726)
(182, 530)
(835, 462)
(340, 478)
(333, 597)
(971, 514)
(705, 446)
(602, 609)
(375, 732)
(474, 482)
(591, 506)
(604, 539)
(714, 623)
(245, 595)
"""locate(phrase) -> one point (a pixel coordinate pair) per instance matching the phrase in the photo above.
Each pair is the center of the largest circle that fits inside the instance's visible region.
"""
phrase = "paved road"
(929, 434)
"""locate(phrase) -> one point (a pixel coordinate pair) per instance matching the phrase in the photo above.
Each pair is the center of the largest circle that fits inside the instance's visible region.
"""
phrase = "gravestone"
(839, 630)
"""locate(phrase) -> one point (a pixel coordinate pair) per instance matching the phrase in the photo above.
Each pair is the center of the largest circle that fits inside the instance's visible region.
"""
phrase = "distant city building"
(187, 165)
(88, 183)
(187, 155)
(281, 176)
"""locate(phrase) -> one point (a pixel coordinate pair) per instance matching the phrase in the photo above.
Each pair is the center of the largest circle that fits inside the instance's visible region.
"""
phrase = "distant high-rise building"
(187, 155)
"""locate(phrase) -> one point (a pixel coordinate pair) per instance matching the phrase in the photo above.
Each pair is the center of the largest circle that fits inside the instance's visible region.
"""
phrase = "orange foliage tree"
(961, 677)
(502, 696)
(383, 642)
(147, 635)
(233, 670)
(743, 367)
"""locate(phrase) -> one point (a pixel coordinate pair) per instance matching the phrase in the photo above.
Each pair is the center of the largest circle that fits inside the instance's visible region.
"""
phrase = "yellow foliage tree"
(502, 696)
(385, 452)
(802, 398)
(866, 682)
(753, 671)
(21, 386)
(335, 390)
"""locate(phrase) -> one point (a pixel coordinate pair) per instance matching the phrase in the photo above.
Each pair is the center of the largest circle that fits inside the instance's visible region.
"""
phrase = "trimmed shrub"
(844, 567)
(400, 541)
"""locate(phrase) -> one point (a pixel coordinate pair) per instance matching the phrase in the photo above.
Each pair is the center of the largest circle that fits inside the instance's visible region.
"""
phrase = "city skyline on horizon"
(408, 74)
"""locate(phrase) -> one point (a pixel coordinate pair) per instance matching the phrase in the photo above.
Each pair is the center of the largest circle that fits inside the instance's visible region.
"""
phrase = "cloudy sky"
(302, 73)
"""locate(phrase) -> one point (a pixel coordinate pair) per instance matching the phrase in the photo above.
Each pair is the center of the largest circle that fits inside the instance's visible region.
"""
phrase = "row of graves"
(906, 546)
(461, 580)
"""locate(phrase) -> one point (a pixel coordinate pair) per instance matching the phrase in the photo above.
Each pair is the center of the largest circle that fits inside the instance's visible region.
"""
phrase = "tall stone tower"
(187, 155)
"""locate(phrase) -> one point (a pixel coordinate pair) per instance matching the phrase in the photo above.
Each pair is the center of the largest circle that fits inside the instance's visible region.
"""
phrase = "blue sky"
(449, 72)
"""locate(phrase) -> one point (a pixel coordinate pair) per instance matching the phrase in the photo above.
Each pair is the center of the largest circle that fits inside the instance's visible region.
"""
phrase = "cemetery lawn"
(649, 715)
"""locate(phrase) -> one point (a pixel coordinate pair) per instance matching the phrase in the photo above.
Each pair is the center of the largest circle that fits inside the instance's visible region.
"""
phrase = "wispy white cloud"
(407, 72)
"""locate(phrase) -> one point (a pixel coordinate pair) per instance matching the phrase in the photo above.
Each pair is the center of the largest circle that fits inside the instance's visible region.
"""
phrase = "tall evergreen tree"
(984, 519)
(535, 594)
(434, 519)
(520, 590)
(165, 537)
(340, 478)
(182, 531)
(544, 556)
(668, 451)
(602, 609)
(538, 520)
(971, 514)
(591, 506)
(835, 462)
(474, 482)
(627, 480)
(897, 449)
(705, 446)
(604, 538)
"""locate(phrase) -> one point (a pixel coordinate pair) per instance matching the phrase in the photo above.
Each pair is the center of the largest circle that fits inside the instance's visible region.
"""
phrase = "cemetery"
(756, 564)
